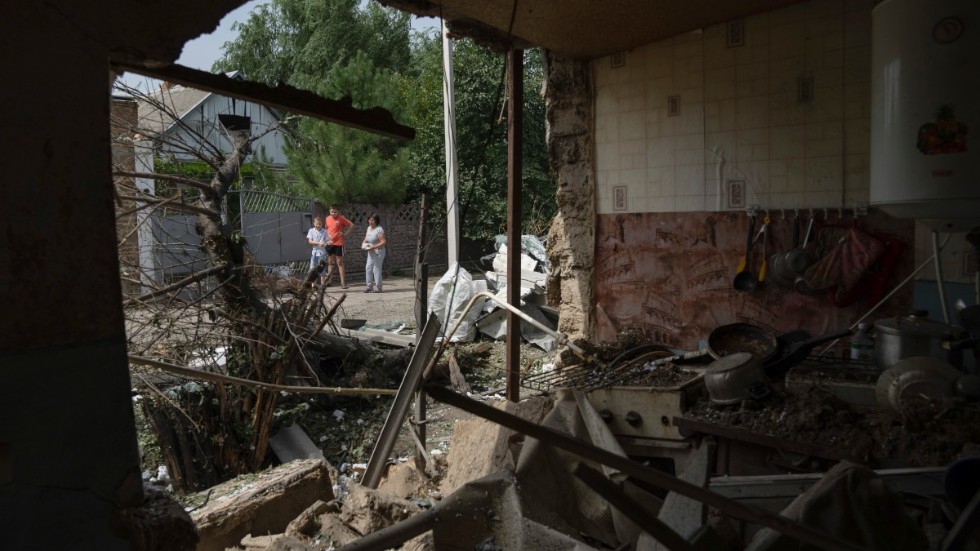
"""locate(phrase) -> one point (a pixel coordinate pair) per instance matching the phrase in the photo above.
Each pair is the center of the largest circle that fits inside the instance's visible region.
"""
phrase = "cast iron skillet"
(742, 337)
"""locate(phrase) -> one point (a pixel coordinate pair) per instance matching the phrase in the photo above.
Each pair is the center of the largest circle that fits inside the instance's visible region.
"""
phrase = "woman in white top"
(374, 243)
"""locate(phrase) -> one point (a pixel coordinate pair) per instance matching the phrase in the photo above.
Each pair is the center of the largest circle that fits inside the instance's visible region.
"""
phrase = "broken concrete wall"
(571, 237)
(261, 504)
(480, 447)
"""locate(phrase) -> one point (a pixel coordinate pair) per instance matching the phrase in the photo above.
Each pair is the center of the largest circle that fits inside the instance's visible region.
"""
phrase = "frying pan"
(742, 337)
(798, 351)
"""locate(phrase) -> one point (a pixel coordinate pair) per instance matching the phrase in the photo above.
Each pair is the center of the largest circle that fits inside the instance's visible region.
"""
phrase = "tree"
(481, 131)
(309, 44)
(296, 41)
(339, 51)
(216, 314)
(335, 164)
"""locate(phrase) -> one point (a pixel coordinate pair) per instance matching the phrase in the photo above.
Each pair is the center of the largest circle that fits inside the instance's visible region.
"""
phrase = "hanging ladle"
(744, 278)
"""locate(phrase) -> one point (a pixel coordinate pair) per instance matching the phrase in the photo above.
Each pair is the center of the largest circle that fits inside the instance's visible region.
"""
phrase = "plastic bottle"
(862, 345)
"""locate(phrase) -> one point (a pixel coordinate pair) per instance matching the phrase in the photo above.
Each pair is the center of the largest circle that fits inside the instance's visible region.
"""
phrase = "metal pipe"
(561, 338)
(888, 296)
(937, 259)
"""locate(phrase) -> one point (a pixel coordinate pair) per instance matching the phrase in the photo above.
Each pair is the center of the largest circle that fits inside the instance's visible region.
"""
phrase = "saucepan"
(736, 377)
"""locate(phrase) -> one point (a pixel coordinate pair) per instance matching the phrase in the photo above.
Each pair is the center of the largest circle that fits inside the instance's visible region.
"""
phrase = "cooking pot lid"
(915, 325)
(729, 362)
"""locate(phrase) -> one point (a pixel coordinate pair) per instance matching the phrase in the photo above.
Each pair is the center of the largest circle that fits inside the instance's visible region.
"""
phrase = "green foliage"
(296, 41)
(336, 164)
(481, 139)
(338, 48)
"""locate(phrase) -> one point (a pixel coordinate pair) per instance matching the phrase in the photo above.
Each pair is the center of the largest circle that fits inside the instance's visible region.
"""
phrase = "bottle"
(862, 345)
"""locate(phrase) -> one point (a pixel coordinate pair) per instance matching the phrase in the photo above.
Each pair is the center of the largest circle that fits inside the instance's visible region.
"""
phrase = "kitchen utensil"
(797, 352)
(744, 278)
(780, 272)
(734, 378)
(917, 376)
(799, 260)
(742, 337)
(765, 260)
(916, 335)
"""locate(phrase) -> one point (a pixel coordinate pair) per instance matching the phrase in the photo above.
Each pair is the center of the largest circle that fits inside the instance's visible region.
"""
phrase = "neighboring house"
(187, 125)
(187, 118)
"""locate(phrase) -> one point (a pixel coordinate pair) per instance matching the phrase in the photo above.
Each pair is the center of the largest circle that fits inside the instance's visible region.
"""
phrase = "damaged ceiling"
(581, 28)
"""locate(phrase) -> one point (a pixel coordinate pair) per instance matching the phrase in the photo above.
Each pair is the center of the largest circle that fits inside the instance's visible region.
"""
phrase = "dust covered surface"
(926, 434)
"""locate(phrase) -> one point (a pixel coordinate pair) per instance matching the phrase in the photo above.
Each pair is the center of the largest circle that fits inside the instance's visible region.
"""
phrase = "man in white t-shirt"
(317, 238)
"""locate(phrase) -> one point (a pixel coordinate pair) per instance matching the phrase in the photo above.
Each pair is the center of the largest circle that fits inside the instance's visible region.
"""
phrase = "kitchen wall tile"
(720, 147)
(787, 200)
(857, 101)
(824, 199)
(660, 181)
(824, 174)
(857, 136)
(660, 204)
(606, 129)
(796, 175)
(817, 9)
(719, 84)
(827, 105)
(752, 144)
(689, 203)
(689, 180)
(857, 64)
(631, 127)
(660, 152)
(693, 156)
(795, 14)
(719, 116)
(752, 112)
(787, 141)
(856, 24)
(690, 121)
(607, 157)
(827, 147)
(787, 41)
(634, 178)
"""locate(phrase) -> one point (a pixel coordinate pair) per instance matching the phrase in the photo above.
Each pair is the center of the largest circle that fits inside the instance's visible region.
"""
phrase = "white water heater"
(925, 111)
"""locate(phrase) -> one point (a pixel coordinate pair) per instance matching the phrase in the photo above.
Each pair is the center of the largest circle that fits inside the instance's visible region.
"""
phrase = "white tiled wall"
(740, 118)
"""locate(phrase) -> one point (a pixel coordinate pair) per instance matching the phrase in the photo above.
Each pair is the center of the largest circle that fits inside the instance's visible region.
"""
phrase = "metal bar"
(657, 478)
(889, 295)
(396, 415)
(631, 508)
(940, 285)
(515, 125)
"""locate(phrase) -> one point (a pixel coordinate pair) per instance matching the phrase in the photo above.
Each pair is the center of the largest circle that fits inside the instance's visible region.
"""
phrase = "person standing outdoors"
(374, 243)
(317, 238)
(338, 226)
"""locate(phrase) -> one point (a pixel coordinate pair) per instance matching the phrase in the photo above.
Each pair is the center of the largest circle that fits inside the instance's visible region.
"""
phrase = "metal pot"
(735, 377)
(916, 335)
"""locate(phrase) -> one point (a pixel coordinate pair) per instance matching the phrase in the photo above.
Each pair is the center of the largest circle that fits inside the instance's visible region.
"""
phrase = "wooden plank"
(375, 335)
(399, 408)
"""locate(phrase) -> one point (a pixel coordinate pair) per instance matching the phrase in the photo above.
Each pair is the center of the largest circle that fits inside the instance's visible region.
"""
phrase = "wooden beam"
(287, 98)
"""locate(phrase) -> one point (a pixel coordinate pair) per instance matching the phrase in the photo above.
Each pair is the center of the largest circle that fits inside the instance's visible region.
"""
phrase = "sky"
(203, 51)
